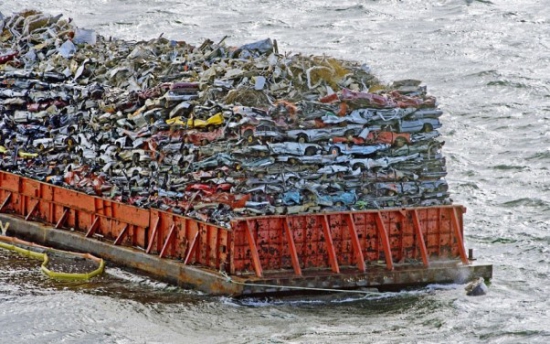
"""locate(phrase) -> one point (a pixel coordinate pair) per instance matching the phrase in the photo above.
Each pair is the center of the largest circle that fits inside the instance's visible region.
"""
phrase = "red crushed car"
(377, 136)
(209, 189)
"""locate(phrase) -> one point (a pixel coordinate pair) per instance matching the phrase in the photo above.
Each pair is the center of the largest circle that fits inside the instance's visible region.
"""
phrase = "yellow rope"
(45, 259)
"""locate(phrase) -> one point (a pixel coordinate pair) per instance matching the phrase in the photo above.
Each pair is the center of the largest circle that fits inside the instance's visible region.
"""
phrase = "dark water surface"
(488, 62)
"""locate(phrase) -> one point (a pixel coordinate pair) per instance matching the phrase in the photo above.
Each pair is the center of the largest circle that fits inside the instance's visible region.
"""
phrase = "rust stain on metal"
(329, 246)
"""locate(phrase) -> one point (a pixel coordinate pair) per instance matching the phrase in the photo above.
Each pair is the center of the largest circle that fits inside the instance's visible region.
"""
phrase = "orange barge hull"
(386, 249)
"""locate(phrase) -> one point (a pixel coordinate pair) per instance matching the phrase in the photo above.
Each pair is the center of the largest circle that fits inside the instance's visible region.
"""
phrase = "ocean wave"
(527, 202)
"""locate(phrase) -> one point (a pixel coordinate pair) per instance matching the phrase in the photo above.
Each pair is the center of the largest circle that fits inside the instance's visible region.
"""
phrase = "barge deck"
(386, 249)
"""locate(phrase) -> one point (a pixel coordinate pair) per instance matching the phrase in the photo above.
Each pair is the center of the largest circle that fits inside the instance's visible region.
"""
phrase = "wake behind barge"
(386, 249)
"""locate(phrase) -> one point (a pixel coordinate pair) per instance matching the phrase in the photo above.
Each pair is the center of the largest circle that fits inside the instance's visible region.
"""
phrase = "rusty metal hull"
(392, 248)
(171, 271)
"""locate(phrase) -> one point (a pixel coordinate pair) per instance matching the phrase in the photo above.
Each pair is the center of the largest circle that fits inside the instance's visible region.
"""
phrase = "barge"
(386, 249)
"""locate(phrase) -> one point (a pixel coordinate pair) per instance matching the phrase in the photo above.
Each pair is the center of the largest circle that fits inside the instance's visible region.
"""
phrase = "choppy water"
(488, 62)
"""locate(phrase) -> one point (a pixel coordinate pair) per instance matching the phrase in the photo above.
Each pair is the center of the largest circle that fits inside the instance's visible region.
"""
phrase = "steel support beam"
(191, 248)
(292, 248)
(253, 250)
(121, 235)
(168, 240)
(63, 218)
(355, 243)
(33, 208)
(420, 238)
(383, 235)
(93, 227)
(458, 235)
(330, 245)
(5, 201)
(153, 236)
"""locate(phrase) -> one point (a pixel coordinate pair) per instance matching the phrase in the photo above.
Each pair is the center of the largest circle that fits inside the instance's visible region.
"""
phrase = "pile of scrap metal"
(211, 131)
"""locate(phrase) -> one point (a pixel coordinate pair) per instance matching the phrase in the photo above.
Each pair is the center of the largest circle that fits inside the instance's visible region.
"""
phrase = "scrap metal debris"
(476, 287)
(211, 131)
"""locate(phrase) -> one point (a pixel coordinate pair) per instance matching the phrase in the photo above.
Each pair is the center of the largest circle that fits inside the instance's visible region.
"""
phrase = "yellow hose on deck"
(45, 259)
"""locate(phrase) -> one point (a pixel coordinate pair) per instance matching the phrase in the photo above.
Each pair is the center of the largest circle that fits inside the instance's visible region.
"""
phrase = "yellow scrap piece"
(26, 155)
(377, 88)
(191, 123)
